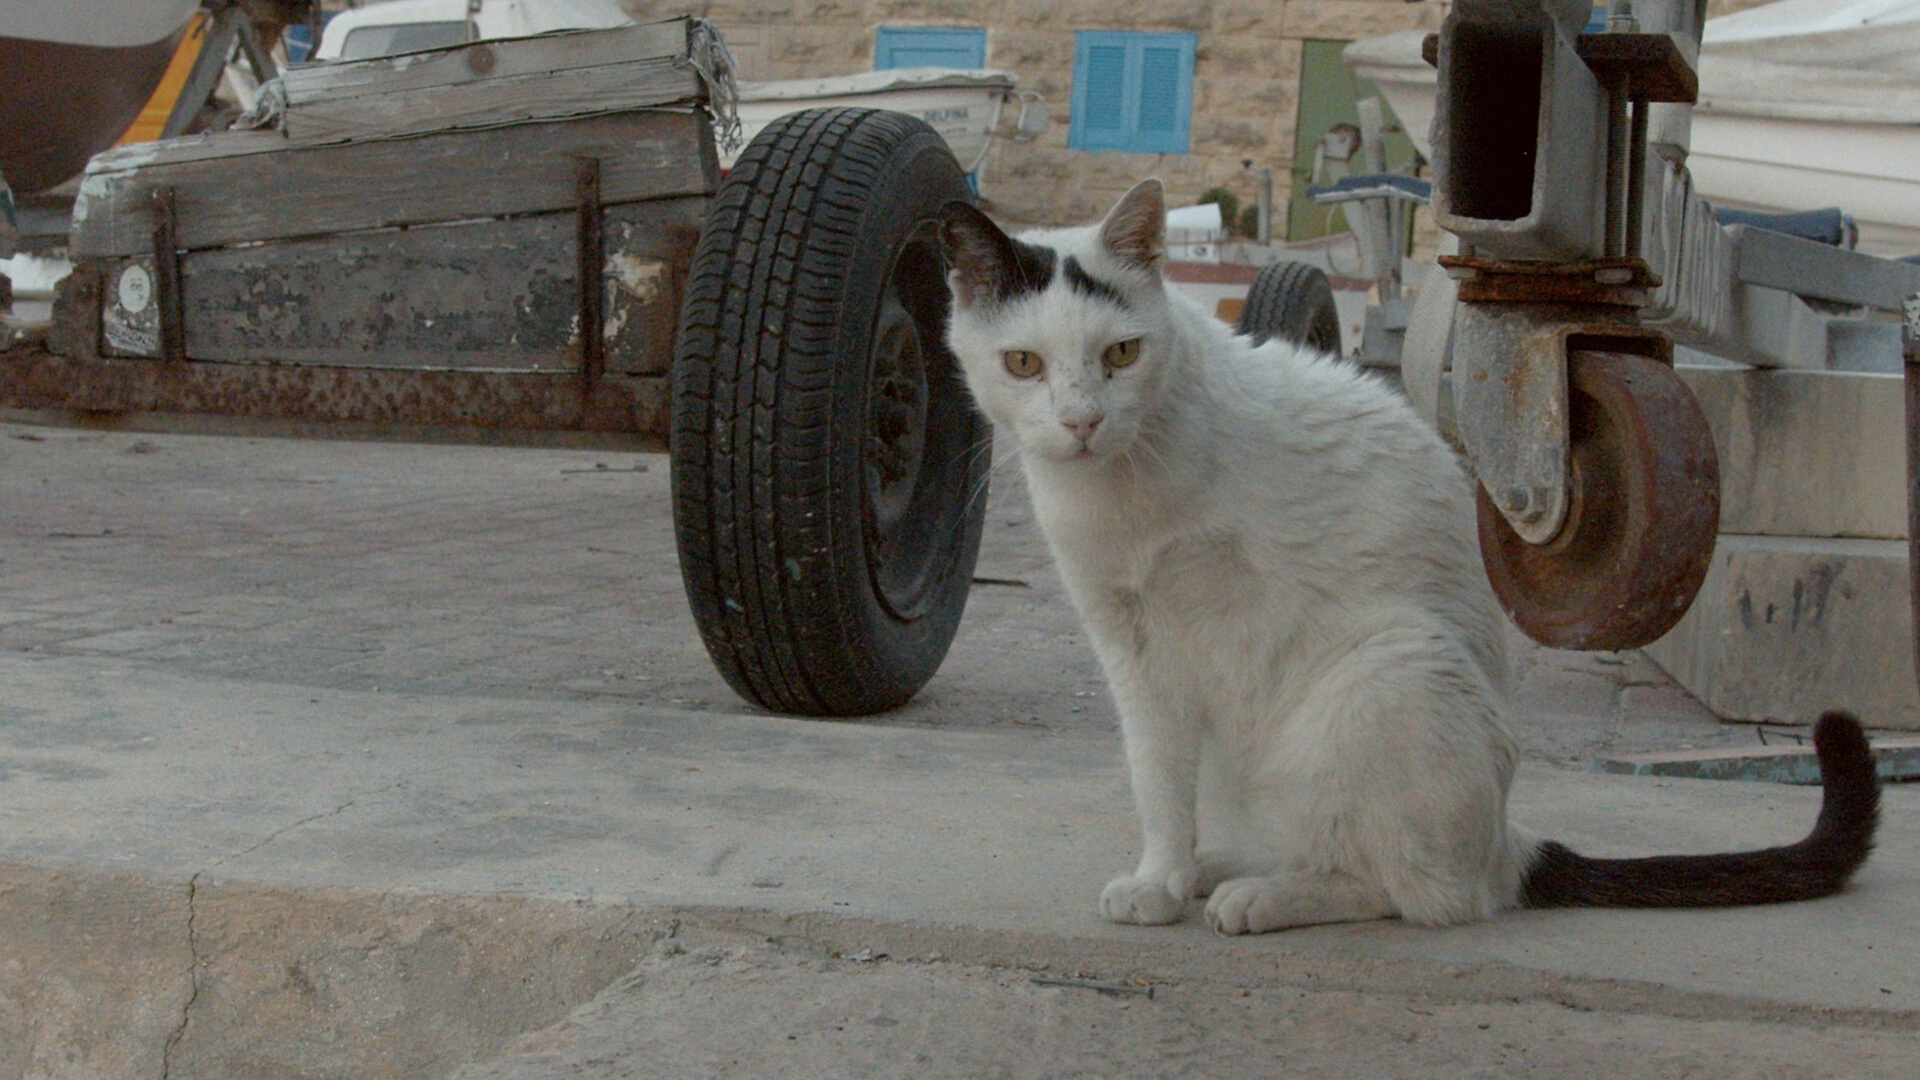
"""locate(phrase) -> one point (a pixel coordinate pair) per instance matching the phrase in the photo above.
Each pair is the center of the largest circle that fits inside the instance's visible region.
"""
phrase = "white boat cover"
(1852, 61)
(874, 82)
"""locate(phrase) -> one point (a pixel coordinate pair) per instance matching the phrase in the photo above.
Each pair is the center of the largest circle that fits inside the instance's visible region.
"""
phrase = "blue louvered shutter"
(1131, 91)
(1160, 92)
(1105, 87)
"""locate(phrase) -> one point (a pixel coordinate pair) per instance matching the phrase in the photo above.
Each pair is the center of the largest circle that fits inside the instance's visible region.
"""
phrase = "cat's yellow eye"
(1022, 364)
(1121, 353)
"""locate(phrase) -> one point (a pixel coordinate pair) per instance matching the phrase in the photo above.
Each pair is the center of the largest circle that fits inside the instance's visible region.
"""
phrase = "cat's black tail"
(1816, 866)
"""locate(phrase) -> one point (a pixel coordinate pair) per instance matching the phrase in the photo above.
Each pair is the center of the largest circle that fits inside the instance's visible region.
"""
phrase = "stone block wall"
(1246, 79)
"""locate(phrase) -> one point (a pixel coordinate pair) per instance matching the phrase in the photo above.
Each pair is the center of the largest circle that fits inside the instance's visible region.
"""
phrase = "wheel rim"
(896, 417)
(905, 534)
(1643, 511)
(1325, 335)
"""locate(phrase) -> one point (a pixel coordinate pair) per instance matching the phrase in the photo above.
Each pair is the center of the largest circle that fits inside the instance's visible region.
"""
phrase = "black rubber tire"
(1294, 302)
(829, 468)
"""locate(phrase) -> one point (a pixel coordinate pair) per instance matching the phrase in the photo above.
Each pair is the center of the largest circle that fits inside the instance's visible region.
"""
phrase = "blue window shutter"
(929, 46)
(1105, 75)
(1132, 91)
(1160, 91)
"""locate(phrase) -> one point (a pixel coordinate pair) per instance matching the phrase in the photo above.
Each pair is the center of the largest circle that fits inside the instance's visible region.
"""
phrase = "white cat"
(1275, 560)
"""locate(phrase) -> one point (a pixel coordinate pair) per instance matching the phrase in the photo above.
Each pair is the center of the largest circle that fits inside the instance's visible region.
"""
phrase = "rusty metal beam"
(166, 272)
(1910, 353)
(37, 379)
(590, 246)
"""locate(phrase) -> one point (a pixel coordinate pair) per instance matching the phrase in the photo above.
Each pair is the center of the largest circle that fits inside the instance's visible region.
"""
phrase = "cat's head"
(1063, 335)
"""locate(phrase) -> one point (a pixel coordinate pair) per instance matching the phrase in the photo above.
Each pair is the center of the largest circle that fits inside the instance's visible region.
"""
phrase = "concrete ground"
(346, 759)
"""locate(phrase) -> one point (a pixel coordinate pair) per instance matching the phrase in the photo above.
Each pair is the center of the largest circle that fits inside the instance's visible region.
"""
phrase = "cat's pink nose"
(1082, 429)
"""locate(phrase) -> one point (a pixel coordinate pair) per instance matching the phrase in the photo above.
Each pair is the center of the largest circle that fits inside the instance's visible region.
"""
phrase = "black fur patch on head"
(1034, 270)
(990, 267)
(1087, 285)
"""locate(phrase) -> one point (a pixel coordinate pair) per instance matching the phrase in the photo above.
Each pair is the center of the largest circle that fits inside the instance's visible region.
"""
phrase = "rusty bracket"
(1910, 355)
(1651, 63)
(1511, 402)
(590, 243)
(1622, 282)
(166, 272)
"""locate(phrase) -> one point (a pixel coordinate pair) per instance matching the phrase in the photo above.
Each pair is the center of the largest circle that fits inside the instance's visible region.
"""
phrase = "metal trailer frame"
(1560, 167)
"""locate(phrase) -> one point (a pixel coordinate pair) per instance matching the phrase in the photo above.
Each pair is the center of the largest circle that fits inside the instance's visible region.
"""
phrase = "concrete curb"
(239, 979)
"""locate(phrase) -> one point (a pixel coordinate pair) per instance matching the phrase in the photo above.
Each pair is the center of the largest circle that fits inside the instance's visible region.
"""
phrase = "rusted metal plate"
(1617, 282)
(33, 378)
(1653, 64)
(494, 294)
(1643, 513)
(499, 295)
(241, 187)
(648, 249)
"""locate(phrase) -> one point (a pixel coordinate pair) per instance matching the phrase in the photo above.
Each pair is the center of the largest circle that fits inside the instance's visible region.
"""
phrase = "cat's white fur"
(1276, 562)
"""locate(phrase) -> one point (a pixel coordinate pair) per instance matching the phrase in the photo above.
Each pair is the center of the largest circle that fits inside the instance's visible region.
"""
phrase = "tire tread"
(755, 404)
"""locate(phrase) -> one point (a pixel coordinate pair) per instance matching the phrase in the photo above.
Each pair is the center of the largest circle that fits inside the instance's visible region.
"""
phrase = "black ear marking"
(1135, 230)
(989, 267)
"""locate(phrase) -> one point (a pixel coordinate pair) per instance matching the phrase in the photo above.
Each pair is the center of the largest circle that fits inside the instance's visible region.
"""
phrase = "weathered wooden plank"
(484, 60)
(494, 295)
(493, 82)
(523, 169)
(206, 144)
(545, 96)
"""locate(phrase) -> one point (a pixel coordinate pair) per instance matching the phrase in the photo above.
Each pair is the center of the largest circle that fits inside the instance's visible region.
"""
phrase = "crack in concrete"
(179, 1031)
(193, 982)
(285, 829)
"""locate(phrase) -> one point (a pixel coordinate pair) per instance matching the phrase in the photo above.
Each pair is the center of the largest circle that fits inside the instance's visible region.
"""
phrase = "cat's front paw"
(1246, 906)
(1144, 901)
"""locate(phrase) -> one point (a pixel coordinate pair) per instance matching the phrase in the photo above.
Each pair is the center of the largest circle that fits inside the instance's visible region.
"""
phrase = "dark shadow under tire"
(1294, 302)
(829, 469)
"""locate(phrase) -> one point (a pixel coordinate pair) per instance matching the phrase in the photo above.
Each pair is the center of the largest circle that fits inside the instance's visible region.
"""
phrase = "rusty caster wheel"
(1642, 513)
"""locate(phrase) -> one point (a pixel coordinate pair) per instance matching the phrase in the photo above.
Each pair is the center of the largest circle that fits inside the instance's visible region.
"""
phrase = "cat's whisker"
(984, 485)
(1145, 443)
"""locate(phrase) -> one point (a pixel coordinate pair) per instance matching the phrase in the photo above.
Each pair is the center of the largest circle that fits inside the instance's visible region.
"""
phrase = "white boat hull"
(1871, 171)
(963, 106)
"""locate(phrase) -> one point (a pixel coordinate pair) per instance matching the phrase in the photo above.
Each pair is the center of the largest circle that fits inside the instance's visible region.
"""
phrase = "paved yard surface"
(544, 574)
(358, 759)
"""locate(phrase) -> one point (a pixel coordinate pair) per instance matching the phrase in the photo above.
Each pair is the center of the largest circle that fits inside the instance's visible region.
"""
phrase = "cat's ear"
(985, 260)
(1135, 230)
